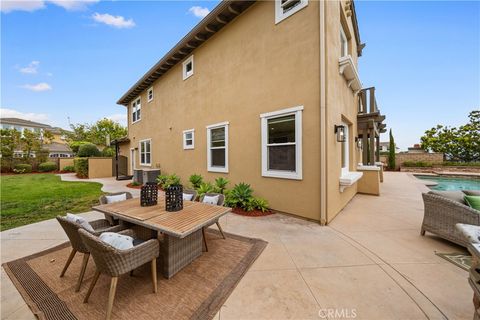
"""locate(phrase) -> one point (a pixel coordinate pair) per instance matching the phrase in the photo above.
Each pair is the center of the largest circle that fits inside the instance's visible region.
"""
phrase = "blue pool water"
(446, 183)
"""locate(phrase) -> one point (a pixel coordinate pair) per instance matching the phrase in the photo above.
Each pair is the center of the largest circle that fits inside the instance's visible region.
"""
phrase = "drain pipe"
(323, 116)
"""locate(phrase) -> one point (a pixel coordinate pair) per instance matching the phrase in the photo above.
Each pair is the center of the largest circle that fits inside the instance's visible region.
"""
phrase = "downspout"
(323, 117)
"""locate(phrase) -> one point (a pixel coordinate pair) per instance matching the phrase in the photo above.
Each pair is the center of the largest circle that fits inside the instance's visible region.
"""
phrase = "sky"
(69, 61)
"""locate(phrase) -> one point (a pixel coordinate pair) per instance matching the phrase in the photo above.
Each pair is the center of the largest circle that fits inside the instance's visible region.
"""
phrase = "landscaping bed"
(29, 198)
(253, 213)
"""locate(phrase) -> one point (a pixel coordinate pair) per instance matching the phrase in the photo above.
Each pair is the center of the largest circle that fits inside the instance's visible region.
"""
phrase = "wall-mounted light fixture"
(358, 142)
(340, 132)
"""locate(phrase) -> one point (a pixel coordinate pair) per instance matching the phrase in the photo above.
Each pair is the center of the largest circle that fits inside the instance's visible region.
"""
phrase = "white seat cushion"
(187, 196)
(81, 221)
(117, 198)
(211, 199)
(118, 241)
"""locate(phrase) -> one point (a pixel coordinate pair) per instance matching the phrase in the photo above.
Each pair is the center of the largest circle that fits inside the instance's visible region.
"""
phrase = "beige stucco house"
(262, 92)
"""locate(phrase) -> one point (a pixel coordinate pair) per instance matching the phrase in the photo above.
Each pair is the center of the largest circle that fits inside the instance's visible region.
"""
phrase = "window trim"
(264, 117)
(136, 109)
(209, 128)
(144, 164)
(280, 15)
(345, 152)
(148, 94)
(185, 146)
(344, 46)
(186, 74)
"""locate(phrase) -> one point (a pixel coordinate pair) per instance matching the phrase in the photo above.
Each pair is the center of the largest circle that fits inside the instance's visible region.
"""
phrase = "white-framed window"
(343, 43)
(282, 143)
(136, 108)
(217, 147)
(146, 152)
(285, 8)
(150, 94)
(346, 151)
(187, 67)
(189, 139)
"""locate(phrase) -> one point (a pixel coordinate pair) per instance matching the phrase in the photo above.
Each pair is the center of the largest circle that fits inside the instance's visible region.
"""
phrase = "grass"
(30, 198)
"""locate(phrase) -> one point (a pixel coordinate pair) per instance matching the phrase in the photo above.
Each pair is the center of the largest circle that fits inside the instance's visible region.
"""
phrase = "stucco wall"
(341, 106)
(99, 168)
(400, 158)
(63, 162)
(369, 183)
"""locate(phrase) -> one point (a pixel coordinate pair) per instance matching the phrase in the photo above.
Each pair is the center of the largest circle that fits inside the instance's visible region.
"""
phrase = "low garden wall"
(64, 162)
(100, 167)
(437, 168)
(401, 158)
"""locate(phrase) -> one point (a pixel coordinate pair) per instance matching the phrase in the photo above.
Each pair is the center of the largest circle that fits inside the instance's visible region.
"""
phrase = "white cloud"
(119, 117)
(114, 21)
(37, 117)
(21, 5)
(31, 68)
(199, 12)
(32, 5)
(42, 86)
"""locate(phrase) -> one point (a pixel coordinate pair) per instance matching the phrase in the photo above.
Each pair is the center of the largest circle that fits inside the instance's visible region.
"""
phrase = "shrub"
(165, 181)
(204, 188)
(69, 169)
(81, 167)
(419, 164)
(196, 180)
(47, 167)
(108, 152)
(22, 168)
(88, 150)
(221, 185)
(161, 179)
(260, 204)
(240, 196)
(461, 164)
(75, 145)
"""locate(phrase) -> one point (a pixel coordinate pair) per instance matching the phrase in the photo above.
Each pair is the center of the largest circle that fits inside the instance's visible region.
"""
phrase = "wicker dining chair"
(221, 201)
(103, 200)
(192, 192)
(71, 229)
(114, 262)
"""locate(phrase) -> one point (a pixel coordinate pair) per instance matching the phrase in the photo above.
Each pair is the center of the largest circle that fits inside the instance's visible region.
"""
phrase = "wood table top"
(191, 218)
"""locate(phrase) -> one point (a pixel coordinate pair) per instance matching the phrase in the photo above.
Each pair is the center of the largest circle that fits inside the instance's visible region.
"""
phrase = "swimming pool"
(447, 183)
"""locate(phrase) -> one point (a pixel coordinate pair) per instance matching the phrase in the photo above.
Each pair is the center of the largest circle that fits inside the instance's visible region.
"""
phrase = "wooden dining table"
(180, 232)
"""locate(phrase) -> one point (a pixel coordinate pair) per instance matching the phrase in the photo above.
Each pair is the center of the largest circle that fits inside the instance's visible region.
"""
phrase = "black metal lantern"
(341, 134)
(149, 194)
(174, 198)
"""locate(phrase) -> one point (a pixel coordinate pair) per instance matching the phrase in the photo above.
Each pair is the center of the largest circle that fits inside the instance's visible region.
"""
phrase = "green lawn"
(30, 198)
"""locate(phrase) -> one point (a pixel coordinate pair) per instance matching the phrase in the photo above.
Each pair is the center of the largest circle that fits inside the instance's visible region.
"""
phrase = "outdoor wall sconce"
(358, 142)
(340, 132)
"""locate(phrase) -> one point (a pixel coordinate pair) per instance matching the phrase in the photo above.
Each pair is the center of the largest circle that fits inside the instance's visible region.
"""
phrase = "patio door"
(132, 160)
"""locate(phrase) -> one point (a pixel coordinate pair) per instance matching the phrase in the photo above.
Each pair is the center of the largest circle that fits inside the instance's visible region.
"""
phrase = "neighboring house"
(416, 149)
(57, 147)
(263, 93)
(385, 147)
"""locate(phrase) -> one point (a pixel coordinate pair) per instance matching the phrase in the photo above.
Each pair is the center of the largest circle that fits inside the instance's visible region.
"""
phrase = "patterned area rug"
(196, 292)
(461, 260)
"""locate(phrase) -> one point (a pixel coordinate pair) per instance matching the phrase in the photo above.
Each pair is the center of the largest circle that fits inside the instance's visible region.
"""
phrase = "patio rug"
(461, 260)
(196, 292)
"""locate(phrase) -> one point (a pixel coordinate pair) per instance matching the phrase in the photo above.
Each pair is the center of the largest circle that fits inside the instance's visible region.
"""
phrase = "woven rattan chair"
(442, 214)
(221, 201)
(71, 229)
(114, 262)
(192, 192)
(103, 200)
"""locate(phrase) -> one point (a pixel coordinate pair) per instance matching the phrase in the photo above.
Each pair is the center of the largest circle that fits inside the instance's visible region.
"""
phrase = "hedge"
(69, 169)
(419, 164)
(47, 167)
(81, 167)
(22, 168)
(89, 150)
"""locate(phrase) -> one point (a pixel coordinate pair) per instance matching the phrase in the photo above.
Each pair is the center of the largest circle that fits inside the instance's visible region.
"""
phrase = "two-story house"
(262, 92)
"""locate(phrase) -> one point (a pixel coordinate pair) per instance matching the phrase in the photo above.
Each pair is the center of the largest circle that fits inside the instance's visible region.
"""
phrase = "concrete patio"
(370, 261)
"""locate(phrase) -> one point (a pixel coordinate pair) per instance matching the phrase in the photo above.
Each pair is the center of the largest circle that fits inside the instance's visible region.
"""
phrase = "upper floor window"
(136, 106)
(343, 43)
(150, 94)
(145, 152)
(189, 139)
(285, 8)
(188, 67)
(217, 147)
(282, 143)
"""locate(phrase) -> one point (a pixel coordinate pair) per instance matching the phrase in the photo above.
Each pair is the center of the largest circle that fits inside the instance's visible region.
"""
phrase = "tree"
(79, 132)
(47, 137)
(10, 140)
(30, 142)
(457, 144)
(391, 152)
(104, 128)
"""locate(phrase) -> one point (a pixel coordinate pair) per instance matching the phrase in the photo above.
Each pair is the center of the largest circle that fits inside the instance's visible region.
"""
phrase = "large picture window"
(217, 147)
(282, 143)
(136, 106)
(146, 152)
